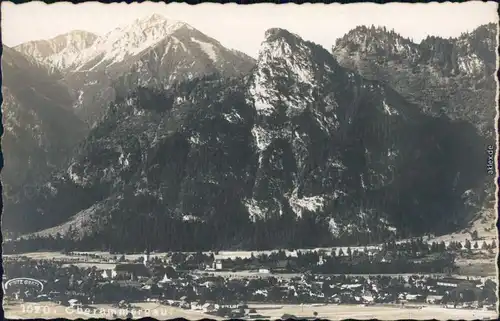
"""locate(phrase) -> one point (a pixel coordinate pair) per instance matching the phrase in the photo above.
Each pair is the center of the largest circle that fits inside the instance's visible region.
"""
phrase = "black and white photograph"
(254, 162)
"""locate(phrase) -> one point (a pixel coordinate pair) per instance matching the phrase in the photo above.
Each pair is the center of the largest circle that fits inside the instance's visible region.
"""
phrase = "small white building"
(434, 299)
(264, 271)
(217, 265)
(108, 274)
(412, 297)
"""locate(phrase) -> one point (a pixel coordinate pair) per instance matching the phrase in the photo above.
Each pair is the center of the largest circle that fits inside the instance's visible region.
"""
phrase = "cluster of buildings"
(217, 287)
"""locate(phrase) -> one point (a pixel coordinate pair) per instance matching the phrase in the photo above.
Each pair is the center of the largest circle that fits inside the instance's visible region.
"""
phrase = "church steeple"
(147, 253)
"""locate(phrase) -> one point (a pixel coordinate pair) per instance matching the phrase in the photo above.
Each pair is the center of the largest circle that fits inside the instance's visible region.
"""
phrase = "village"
(413, 274)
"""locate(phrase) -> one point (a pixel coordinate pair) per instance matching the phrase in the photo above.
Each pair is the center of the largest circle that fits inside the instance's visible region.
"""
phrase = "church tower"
(147, 256)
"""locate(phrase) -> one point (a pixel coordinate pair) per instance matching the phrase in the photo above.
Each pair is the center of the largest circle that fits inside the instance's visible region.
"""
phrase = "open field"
(340, 312)
(131, 257)
(99, 266)
(42, 255)
(477, 267)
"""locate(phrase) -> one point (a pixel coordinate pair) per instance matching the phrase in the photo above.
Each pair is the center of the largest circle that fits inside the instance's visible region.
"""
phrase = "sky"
(242, 27)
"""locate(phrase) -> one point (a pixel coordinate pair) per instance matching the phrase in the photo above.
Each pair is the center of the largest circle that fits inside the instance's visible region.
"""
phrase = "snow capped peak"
(128, 40)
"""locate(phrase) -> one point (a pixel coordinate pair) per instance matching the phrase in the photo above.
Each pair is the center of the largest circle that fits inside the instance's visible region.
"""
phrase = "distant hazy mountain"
(301, 152)
(39, 126)
(453, 77)
(58, 53)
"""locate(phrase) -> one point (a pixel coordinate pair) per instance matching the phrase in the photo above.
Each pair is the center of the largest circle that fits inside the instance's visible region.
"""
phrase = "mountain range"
(190, 145)
(152, 51)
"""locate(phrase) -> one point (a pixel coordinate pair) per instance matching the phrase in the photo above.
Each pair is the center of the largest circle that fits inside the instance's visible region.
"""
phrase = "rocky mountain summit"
(453, 77)
(300, 152)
